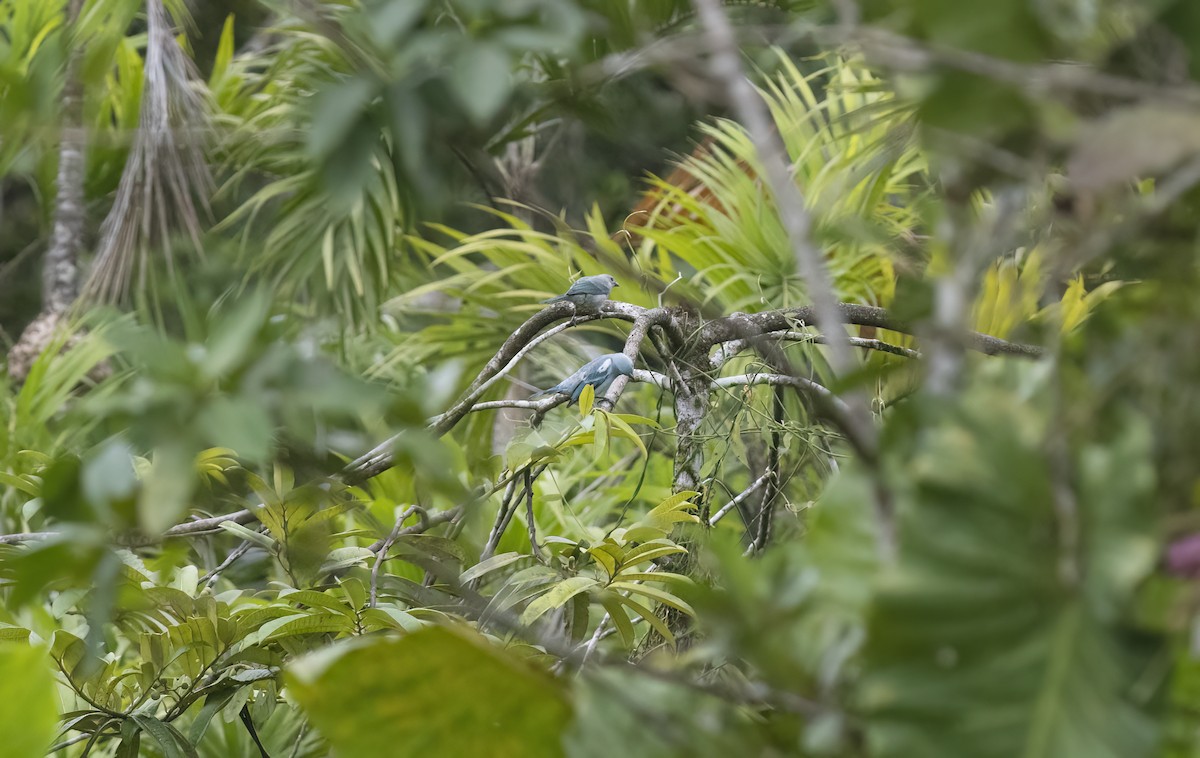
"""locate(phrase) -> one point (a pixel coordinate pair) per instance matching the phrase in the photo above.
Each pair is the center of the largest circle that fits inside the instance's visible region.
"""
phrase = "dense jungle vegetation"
(907, 463)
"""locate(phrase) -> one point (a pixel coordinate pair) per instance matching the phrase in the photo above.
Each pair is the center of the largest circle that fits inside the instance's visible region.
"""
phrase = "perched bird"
(599, 372)
(588, 292)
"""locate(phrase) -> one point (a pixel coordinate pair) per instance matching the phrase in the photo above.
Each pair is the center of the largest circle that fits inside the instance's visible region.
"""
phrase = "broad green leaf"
(480, 79)
(373, 697)
(27, 689)
(994, 635)
(172, 742)
(165, 493)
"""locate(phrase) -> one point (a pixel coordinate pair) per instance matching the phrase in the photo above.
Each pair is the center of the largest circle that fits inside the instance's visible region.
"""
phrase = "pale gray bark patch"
(60, 267)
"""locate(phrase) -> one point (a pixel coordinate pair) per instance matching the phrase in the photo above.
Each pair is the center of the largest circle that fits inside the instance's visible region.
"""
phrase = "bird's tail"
(556, 299)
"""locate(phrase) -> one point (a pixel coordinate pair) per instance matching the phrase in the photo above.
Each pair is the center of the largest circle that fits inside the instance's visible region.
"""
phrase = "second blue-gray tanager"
(588, 292)
(598, 372)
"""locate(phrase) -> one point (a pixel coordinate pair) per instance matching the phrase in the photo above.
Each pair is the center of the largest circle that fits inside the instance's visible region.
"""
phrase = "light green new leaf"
(559, 594)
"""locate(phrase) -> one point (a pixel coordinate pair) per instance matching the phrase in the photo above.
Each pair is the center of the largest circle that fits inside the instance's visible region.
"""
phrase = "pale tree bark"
(60, 267)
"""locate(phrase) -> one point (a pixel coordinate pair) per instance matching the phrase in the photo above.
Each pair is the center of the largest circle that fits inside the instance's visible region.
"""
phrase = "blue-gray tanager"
(599, 372)
(588, 292)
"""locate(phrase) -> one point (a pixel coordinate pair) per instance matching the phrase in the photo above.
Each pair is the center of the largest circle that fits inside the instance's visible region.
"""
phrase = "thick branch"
(633, 347)
(750, 325)
(60, 270)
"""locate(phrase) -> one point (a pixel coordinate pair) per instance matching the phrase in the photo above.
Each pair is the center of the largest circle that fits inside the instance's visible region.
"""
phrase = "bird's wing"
(588, 285)
(599, 372)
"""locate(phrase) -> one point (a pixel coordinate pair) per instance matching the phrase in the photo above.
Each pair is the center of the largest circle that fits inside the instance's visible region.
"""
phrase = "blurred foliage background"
(303, 228)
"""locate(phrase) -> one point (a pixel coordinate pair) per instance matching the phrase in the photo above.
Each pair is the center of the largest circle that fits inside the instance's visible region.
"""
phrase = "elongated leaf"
(654, 593)
(559, 594)
(173, 744)
(491, 564)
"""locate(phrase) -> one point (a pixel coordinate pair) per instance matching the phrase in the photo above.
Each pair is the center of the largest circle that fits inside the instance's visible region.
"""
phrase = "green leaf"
(654, 593)
(318, 600)
(172, 742)
(620, 621)
(558, 594)
(246, 533)
(993, 635)
(164, 496)
(9, 632)
(214, 703)
(480, 79)
(27, 689)
(600, 432)
(224, 53)
(391, 21)
(234, 333)
(303, 623)
(625, 430)
(587, 399)
(238, 422)
(374, 697)
(491, 564)
(648, 615)
(337, 110)
(20, 483)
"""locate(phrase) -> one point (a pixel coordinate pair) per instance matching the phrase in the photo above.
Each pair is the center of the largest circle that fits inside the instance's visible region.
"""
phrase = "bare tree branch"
(726, 65)
(739, 499)
(727, 350)
(381, 555)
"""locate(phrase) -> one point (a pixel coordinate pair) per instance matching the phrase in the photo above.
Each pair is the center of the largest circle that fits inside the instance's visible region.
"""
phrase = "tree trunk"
(60, 268)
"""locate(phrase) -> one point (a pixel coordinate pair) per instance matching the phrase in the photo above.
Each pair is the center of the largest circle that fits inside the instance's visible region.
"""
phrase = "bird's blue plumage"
(599, 372)
(587, 291)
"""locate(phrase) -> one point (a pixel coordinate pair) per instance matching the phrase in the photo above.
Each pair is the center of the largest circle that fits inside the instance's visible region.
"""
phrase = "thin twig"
(531, 524)
(489, 547)
(428, 521)
(741, 497)
(386, 546)
(211, 577)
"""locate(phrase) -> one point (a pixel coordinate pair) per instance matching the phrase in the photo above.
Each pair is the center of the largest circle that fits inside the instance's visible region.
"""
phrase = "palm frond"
(166, 183)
